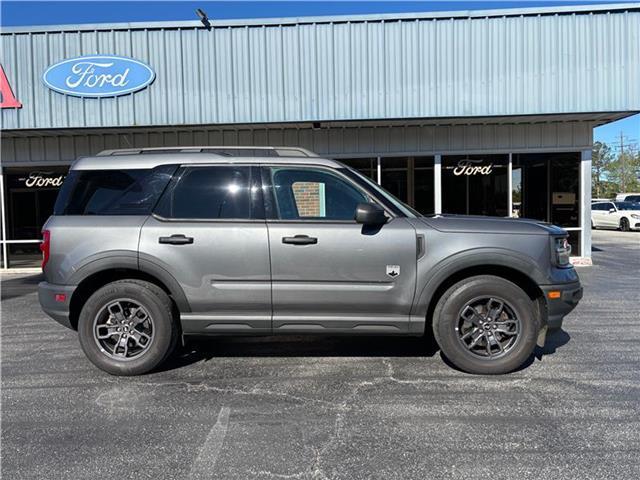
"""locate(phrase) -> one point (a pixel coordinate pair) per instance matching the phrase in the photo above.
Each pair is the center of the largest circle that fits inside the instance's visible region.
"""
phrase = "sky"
(26, 12)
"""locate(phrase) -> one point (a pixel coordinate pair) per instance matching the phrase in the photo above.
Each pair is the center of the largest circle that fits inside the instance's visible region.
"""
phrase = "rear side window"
(208, 193)
(112, 192)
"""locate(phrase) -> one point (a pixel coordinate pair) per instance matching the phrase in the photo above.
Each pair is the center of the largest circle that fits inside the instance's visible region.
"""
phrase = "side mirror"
(370, 214)
(612, 210)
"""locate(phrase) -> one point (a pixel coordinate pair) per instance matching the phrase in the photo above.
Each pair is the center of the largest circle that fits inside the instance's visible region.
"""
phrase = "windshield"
(627, 206)
(401, 206)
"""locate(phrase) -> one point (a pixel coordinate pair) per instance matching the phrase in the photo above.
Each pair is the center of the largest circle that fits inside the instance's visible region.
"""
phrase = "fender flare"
(485, 257)
(129, 260)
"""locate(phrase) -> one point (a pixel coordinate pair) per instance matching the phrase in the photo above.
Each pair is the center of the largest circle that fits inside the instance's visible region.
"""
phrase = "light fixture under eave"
(203, 18)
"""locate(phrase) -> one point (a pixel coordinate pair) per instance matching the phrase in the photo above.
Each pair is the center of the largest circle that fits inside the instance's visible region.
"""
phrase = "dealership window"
(29, 195)
(475, 184)
(546, 187)
(410, 179)
(423, 189)
(395, 177)
(366, 166)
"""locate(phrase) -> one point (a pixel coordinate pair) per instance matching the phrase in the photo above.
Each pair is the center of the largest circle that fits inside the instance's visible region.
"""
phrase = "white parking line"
(205, 462)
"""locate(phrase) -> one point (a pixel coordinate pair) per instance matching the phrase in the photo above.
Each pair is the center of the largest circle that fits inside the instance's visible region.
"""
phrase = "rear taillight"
(45, 247)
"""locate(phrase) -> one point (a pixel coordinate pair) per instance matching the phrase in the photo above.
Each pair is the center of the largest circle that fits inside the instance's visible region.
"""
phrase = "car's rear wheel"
(624, 224)
(486, 325)
(127, 327)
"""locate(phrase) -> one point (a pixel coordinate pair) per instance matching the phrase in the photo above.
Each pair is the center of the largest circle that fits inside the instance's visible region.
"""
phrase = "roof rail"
(228, 151)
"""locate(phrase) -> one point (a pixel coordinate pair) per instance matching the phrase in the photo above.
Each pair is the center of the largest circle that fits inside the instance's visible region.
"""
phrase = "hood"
(481, 224)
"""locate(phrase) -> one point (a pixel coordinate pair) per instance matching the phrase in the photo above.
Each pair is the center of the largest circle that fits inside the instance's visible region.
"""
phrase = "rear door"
(329, 273)
(208, 233)
(597, 214)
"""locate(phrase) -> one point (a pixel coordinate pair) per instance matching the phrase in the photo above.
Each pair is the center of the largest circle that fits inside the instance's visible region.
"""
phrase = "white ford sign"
(471, 167)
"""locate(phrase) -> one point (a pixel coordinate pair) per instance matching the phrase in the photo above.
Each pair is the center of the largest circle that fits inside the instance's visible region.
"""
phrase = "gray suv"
(149, 246)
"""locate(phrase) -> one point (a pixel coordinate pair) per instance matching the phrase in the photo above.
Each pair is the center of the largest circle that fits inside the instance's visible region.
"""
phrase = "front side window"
(208, 193)
(112, 192)
(313, 194)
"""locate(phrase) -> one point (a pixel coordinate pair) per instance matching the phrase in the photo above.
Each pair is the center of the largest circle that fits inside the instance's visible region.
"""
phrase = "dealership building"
(475, 112)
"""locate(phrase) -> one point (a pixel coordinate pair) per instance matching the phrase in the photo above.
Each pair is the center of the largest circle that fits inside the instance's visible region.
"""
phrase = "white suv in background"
(628, 197)
(622, 215)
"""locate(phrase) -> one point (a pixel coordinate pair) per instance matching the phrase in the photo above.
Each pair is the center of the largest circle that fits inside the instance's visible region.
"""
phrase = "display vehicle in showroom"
(147, 247)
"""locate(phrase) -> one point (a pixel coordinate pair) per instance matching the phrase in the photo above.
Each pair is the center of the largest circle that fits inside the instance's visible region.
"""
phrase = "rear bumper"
(58, 310)
(557, 308)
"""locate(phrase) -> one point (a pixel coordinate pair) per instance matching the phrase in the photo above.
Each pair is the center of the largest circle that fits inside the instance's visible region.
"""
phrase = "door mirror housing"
(370, 214)
(612, 210)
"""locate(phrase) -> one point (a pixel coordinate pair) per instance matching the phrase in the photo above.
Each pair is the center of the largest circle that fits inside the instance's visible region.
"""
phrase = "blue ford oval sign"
(98, 76)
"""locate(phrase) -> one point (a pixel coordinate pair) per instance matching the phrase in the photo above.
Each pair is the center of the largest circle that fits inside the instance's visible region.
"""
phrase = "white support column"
(5, 259)
(379, 171)
(510, 187)
(585, 204)
(437, 184)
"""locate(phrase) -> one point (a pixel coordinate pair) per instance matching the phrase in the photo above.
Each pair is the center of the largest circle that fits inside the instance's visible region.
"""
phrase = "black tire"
(624, 224)
(164, 327)
(448, 329)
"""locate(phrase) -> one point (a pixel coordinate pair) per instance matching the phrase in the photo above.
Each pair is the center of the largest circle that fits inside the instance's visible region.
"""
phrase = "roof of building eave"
(461, 14)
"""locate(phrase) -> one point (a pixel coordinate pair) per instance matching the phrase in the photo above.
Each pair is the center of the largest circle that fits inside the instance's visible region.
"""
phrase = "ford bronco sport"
(148, 246)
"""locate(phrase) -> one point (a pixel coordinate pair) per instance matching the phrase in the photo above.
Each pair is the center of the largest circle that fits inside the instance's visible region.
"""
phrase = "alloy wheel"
(488, 327)
(624, 225)
(123, 329)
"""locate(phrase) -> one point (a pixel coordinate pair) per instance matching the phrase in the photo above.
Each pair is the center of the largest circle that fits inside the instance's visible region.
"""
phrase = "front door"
(329, 273)
(611, 218)
(208, 232)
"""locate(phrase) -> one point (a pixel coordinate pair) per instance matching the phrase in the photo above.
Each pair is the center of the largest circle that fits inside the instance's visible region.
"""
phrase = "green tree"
(624, 172)
(601, 160)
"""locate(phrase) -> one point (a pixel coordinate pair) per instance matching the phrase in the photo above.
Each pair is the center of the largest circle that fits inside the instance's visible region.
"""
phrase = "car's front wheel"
(624, 224)
(127, 327)
(486, 325)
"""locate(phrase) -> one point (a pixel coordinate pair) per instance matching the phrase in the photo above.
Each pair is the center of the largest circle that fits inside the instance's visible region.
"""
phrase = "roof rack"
(224, 151)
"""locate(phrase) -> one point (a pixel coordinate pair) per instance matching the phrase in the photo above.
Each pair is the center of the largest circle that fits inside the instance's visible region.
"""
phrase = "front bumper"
(557, 308)
(58, 310)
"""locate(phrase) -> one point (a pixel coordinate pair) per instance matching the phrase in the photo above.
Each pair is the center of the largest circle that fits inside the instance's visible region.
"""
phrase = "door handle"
(300, 240)
(176, 240)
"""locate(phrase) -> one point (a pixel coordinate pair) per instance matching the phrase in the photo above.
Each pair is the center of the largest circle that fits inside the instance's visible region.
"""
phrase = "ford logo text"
(98, 76)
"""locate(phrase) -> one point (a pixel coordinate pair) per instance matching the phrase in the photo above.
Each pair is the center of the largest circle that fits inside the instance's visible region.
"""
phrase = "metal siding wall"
(339, 141)
(420, 68)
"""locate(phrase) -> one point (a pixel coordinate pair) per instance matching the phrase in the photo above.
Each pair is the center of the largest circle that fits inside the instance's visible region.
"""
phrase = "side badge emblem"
(393, 270)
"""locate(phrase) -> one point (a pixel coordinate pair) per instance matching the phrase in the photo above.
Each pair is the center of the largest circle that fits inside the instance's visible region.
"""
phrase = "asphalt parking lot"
(300, 407)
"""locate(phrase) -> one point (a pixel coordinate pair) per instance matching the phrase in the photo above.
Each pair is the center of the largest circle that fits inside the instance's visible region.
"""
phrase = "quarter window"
(112, 192)
(208, 193)
(313, 194)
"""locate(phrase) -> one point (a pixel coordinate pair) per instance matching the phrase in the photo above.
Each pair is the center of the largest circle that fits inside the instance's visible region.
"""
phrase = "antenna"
(203, 18)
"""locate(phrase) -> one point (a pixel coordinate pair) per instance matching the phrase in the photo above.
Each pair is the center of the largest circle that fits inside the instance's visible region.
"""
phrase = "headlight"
(637, 217)
(561, 252)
